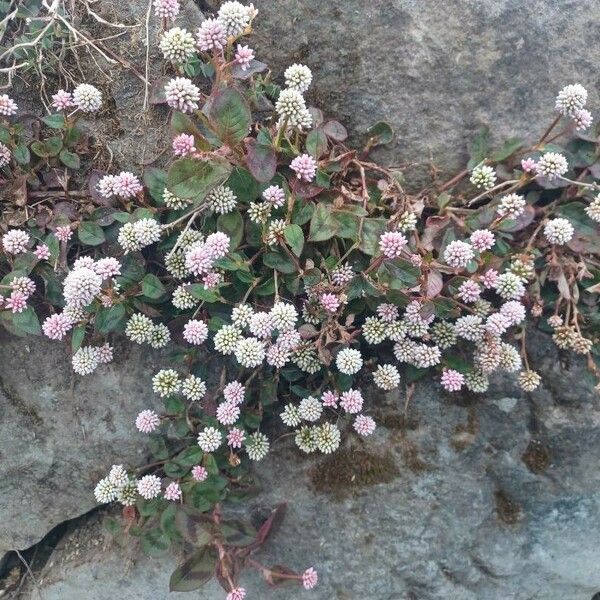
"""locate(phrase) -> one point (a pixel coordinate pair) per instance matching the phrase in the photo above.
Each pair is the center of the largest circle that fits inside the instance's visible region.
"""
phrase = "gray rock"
(493, 498)
(60, 432)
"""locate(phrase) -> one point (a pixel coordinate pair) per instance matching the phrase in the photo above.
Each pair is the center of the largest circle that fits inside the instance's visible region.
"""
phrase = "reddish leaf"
(261, 161)
(435, 283)
(273, 521)
(335, 130)
(273, 575)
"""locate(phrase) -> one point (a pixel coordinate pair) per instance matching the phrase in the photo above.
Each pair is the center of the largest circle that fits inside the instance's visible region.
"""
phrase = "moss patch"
(353, 468)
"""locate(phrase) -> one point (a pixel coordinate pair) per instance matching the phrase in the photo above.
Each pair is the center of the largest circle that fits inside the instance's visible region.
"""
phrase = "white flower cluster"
(141, 330)
(86, 360)
(291, 106)
(138, 235)
(570, 102)
(118, 486)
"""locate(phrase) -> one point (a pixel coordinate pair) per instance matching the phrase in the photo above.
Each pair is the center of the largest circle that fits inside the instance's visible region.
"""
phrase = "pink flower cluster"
(305, 167)
(391, 243)
(183, 144)
(244, 56)
(330, 302)
(195, 332)
(62, 100)
(199, 260)
(452, 380)
(147, 421)
(125, 185)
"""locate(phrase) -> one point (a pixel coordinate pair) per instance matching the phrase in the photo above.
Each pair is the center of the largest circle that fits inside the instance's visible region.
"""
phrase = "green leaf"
(509, 147)
(156, 180)
(238, 533)
(244, 186)
(182, 123)
(194, 572)
(191, 178)
(295, 238)
(152, 287)
(77, 338)
(380, 133)
(56, 121)
(229, 116)
(53, 145)
(155, 543)
(371, 232)
(279, 261)
(193, 529)
(90, 234)
(478, 148)
(27, 322)
(233, 225)
(22, 154)
(110, 319)
(199, 291)
(322, 224)
(316, 143)
(69, 159)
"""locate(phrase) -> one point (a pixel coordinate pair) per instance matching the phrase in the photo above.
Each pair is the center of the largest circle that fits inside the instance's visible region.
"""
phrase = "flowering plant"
(309, 269)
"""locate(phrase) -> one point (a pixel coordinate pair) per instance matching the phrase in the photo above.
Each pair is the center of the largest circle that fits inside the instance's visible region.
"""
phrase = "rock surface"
(494, 498)
(59, 432)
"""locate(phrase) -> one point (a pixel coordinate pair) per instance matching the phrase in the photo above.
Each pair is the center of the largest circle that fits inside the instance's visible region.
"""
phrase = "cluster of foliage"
(305, 268)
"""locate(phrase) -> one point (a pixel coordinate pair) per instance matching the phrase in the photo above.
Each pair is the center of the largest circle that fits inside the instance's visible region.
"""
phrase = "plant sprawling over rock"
(300, 268)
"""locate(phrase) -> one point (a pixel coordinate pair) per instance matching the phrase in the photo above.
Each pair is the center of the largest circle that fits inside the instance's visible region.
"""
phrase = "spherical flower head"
(24, 285)
(193, 388)
(424, 356)
(211, 35)
(330, 399)
(352, 401)
(309, 579)
(387, 312)
(105, 353)
(199, 473)
(105, 491)
(126, 185)
(160, 336)
(56, 326)
(42, 252)
(235, 17)
(391, 243)
(327, 438)
(477, 382)
(81, 286)
(513, 311)
(510, 359)
(509, 286)
(235, 437)
(8, 106)
(217, 244)
(511, 206)
(238, 593)
(570, 99)
(364, 425)
(298, 77)
(529, 380)
(593, 209)
(107, 267)
(349, 361)
(86, 262)
(183, 144)
(291, 416)
(528, 165)
(118, 476)
(234, 392)
(16, 302)
(374, 330)
(277, 356)
(85, 360)
(558, 231)
(182, 94)
(5, 154)
(139, 328)
(250, 352)
(386, 377)
(582, 119)
(107, 186)
(87, 98)
(241, 315)
(274, 195)
(147, 421)
(552, 165)
(62, 100)
(276, 231)
(305, 439)
(291, 106)
(149, 487)
(166, 9)
(261, 325)
(310, 409)
(222, 200)
(177, 45)
(469, 291)
(166, 382)
(443, 334)
(496, 324)
(452, 380)
(283, 316)
(305, 167)
(257, 446)
(15, 241)
(63, 234)
(195, 332)
(289, 340)
(458, 254)
(330, 302)
(483, 176)
(199, 259)
(227, 338)
(228, 413)
(173, 492)
(342, 275)
(244, 56)
(489, 279)
(469, 327)
(482, 240)
(209, 439)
